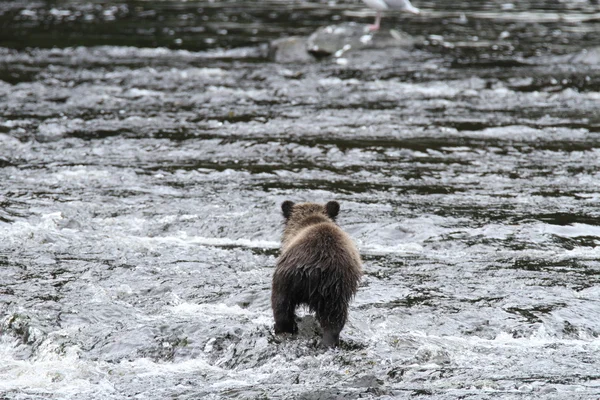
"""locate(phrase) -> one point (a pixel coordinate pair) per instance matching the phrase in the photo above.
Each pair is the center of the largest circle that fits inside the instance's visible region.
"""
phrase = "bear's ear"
(333, 208)
(286, 207)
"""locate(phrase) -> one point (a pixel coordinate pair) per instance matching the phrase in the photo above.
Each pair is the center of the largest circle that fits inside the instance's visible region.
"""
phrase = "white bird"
(383, 5)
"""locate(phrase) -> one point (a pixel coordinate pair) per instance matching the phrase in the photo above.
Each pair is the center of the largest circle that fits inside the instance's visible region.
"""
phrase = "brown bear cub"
(319, 266)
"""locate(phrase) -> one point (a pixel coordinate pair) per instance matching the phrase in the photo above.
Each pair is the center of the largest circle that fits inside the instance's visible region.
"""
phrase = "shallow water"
(140, 183)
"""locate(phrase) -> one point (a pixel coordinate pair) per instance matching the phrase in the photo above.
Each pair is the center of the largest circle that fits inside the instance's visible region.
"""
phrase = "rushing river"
(145, 148)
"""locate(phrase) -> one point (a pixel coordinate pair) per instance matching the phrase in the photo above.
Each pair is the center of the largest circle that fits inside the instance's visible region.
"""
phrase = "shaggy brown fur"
(319, 266)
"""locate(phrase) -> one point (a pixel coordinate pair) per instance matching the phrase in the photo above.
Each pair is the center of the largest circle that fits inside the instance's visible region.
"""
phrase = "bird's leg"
(375, 26)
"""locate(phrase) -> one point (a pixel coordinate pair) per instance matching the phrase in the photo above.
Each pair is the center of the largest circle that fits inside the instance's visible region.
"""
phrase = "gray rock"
(337, 39)
(50, 132)
(587, 56)
(398, 39)
(289, 50)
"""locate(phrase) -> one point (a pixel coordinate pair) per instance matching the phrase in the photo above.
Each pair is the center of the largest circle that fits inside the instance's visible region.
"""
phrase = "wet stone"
(587, 56)
(432, 354)
(326, 395)
(289, 50)
(338, 39)
(367, 381)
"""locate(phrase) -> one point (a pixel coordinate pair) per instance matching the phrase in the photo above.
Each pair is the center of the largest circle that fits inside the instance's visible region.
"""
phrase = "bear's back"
(324, 246)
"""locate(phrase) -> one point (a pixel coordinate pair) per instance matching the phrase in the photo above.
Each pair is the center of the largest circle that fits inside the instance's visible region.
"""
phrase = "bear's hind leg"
(284, 314)
(332, 322)
(331, 337)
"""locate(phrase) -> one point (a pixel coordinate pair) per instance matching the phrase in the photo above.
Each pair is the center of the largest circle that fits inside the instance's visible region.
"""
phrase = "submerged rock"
(586, 56)
(289, 50)
(335, 40)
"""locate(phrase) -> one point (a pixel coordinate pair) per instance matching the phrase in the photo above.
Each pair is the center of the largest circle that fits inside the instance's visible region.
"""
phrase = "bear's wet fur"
(319, 266)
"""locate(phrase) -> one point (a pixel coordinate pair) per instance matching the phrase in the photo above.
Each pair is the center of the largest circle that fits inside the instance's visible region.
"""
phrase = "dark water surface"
(145, 148)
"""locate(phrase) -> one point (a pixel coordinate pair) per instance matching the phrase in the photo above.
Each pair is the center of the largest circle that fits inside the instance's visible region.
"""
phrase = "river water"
(145, 148)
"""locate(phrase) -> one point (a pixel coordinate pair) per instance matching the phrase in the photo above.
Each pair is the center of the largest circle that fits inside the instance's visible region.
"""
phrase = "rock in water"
(400, 39)
(587, 56)
(337, 39)
(289, 50)
(334, 40)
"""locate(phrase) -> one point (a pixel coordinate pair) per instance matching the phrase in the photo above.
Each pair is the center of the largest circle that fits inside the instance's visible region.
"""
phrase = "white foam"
(228, 383)
(206, 241)
(62, 374)
(400, 248)
(573, 230)
(69, 376)
(210, 310)
(266, 244)
(146, 367)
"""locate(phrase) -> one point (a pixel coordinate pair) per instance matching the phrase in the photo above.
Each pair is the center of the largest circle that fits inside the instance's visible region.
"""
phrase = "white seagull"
(383, 5)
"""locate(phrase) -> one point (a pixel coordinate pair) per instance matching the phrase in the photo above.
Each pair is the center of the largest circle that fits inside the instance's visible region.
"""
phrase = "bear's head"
(297, 212)
(301, 215)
